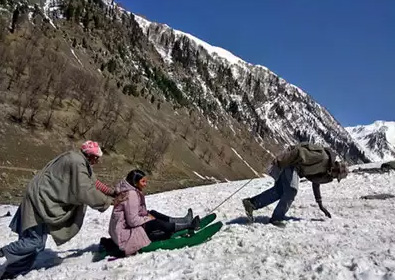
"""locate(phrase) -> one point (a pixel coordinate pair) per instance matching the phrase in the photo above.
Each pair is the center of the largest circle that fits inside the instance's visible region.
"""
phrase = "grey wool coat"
(58, 195)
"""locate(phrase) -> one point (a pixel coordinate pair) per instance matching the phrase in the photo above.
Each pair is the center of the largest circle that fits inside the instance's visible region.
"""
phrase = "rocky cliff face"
(224, 86)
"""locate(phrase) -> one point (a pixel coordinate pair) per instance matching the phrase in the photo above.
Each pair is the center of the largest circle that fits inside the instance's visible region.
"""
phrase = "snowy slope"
(377, 139)
(357, 243)
(212, 50)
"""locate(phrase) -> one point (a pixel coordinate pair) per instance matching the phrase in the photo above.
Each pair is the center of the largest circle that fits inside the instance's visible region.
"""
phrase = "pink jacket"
(127, 220)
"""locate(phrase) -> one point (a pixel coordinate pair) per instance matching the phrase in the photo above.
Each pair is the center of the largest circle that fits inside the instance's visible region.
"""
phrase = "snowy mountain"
(377, 139)
(357, 243)
(233, 96)
(222, 84)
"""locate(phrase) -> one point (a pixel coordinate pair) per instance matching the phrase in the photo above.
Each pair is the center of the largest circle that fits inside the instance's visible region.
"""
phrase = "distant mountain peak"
(377, 139)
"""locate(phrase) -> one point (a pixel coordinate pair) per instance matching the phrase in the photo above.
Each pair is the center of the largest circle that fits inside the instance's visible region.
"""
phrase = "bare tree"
(112, 103)
(206, 134)
(192, 146)
(230, 161)
(204, 153)
(3, 29)
(129, 119)
(185, 131)
(155, 150)
(221, 152)
(109, 137)
(85, 89)
(61, 89)
(135, 153)
(57, 45)
(57, 66)
(21, 58)
(29, 93)
(208, 157)
(5, 58)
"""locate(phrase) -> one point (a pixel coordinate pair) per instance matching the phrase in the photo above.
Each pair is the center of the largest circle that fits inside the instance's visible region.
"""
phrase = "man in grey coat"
(316, 163)
(55, 203)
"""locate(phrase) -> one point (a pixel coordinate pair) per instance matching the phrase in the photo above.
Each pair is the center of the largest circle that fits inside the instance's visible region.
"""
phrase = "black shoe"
(195, 225)
(278, 223)
(248, 208)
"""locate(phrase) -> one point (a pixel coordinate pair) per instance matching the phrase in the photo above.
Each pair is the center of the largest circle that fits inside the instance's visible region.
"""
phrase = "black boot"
(193, 225)
(187, 219)
(109, 246)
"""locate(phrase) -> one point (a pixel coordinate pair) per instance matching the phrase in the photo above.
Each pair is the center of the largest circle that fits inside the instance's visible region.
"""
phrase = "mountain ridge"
(377, 139)
(170, 42)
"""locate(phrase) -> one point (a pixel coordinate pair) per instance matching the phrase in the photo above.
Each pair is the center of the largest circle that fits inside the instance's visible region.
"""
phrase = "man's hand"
(323, 209)
(121, 197)
(152, 217)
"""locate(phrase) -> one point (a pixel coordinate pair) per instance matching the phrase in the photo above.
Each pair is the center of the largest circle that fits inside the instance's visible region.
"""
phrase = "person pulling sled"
(316, 163)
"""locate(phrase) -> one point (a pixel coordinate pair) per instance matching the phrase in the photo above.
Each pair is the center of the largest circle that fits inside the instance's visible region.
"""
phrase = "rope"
(231, 196)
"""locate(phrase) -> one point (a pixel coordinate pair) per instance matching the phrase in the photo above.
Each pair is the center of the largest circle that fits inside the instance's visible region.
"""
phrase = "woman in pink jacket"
(132, 227)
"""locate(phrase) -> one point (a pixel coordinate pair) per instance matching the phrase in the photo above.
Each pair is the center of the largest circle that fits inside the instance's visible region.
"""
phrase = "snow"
(212, 50)
(48, 6)
(197, 174)
(365, 130)
(144, 24)
(372, 165)
(72, 51)
(362, 133)
(357, 243)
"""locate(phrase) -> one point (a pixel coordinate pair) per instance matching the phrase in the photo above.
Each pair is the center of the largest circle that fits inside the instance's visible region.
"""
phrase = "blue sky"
(340, 52)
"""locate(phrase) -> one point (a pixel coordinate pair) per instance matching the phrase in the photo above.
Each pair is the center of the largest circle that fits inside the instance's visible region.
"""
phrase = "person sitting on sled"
(317, 164)
(132, 227)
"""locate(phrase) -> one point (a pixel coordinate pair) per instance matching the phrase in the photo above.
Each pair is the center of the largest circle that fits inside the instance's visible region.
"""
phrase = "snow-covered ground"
(376, 165)
(357, 243)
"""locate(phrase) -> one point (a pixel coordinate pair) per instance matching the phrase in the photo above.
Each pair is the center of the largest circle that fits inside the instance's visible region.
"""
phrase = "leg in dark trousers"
(159, 216)
(164, 226)
(289, 182)
(284, 189)
(186, 219)
(267, 197)
(21, 254)
(158, 229)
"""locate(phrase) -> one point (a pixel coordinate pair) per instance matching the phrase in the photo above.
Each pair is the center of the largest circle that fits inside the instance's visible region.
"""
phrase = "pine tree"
(86, 20)
(69, 12)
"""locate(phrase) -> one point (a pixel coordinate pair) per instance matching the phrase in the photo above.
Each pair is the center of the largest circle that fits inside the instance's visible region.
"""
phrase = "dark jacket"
(311, 161)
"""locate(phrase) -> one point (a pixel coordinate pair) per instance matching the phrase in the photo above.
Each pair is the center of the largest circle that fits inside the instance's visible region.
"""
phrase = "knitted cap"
(91, 148)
